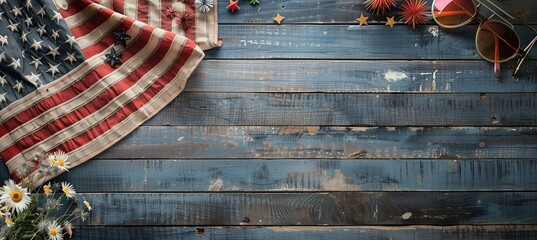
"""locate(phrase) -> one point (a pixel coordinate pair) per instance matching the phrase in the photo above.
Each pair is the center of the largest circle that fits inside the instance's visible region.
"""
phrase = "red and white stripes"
(204, 30)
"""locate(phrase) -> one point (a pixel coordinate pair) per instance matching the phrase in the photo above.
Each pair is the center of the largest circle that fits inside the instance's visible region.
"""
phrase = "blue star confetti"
(114, 58)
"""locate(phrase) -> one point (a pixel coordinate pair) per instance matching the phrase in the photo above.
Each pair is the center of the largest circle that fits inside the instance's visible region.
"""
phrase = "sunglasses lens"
(496, 41)
(451, 13)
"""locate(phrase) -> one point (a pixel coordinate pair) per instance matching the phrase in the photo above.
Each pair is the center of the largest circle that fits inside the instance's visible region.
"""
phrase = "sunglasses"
(496, 41)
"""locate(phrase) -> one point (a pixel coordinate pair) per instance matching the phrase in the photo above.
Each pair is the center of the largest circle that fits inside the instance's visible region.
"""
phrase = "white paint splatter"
(393, 76)
(216, 185)
(434, 31)
(180, 139)
(406, 215)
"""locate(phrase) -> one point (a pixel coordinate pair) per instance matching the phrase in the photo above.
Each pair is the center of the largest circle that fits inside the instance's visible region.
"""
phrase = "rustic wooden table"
(320, 128)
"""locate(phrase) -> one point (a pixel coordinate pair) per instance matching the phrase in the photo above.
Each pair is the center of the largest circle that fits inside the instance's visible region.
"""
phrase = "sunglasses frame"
(521, 54)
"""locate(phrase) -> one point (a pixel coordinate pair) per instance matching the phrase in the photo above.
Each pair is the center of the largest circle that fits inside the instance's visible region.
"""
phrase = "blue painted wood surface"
(319, 121)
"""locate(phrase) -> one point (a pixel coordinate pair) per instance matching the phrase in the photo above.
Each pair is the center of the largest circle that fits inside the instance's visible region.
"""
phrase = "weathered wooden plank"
(154, 175)
(357, 76)
(194, 142)
(314, 109)
(347, 42)
(330, 11)
(461, 232)
(4, 173)
(326, 208)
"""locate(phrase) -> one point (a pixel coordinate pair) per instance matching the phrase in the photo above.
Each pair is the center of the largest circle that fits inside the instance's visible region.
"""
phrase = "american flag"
(81, 77)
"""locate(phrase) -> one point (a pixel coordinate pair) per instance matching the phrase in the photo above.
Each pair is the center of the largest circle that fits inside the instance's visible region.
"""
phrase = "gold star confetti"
(390, 21)
(362, 19)
(279, 18)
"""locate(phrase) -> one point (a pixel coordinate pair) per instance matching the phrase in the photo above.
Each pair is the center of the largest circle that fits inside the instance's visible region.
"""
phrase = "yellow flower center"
(47, 190)
(66, 191)
(53, 231)
(60, 162)
(8, 221)
(52, 160)
(16, 195)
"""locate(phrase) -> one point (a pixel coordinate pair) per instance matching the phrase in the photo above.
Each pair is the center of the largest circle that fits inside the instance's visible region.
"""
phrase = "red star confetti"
(414, 12)
(379, 6)
(233, 5)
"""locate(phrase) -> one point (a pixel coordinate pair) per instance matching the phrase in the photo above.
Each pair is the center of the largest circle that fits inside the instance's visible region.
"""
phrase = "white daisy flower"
(54, 231)
(204, 6)
(60, 160)
(52, 159)
(87, 204)
(47, 190)
(14, 196)
(3, 210)
(81, 214)
(43, 225)
(8, 221)
(68, 189)
(68, 227)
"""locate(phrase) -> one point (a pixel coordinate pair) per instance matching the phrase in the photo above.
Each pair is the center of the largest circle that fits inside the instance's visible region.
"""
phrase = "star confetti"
(379, 6)
(390, 21)
(185, 21)
(233, 5)
(114, 57)
(362, 19)
(414, 12)
(121, 38)
(279, 18)
(254, 2)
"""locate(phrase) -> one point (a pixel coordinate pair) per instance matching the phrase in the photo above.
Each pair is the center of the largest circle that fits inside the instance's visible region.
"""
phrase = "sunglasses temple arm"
(524, 55)
(495, 13)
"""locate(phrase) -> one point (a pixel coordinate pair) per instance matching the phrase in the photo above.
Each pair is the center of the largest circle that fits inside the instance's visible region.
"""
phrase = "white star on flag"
(36, 62)
(57, 17)
(37, 45)
(33, 78)
(28, 5)
(71, 40)
(17, 11)
(71, 58)
(53, 69)
(3, 97)
(42, 12)
(15, 63)
(55, 34)
(18, 86)
(13, 26)
(29, 21)
(24, 37)
(3, 40)
(3, 80)
(41, 30)
(53, 51)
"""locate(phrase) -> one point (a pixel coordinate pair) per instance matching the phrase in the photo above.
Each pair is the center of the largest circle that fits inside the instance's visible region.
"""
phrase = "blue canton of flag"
(36, 47)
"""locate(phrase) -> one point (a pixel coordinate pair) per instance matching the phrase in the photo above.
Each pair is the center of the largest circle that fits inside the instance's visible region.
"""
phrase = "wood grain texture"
(288, 142)
(357, 76)
(314, 109)
(332, 12)
(303, 175)
(327, 208)
(463, 232)
(348, 42)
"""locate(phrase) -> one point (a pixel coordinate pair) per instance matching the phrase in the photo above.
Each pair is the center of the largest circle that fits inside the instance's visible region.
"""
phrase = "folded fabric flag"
(78, 79)
(195, 19)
